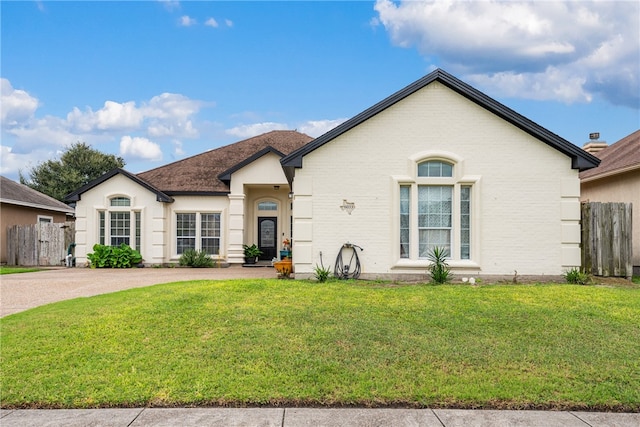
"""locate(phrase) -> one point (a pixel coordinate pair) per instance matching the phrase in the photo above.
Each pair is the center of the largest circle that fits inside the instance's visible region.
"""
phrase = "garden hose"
(353, 268)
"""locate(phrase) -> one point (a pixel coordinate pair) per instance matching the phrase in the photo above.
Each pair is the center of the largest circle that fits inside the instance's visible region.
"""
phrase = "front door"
(267, 233)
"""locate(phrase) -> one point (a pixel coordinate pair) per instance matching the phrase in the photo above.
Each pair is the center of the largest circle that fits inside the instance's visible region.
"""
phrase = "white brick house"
(438, 164)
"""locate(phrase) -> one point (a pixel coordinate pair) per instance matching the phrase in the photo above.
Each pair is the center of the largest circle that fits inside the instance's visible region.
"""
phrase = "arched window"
(120, 201)
(267, 206)
(435, 168)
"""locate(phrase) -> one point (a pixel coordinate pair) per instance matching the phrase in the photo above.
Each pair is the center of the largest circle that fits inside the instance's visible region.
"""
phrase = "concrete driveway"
(19, 292)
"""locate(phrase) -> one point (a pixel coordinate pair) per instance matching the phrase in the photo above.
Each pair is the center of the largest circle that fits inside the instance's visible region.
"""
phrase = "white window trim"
(279, 213)
(132, 209)
(45, 219)
(174, 231)
(456, 181)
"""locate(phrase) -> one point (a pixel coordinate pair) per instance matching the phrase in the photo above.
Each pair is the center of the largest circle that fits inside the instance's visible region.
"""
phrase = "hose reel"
(352, 269)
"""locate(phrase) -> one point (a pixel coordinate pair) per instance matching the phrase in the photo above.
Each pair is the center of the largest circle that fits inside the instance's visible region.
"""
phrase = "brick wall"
(525, 191)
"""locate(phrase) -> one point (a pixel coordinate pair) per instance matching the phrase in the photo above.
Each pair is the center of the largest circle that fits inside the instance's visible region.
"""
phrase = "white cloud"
(186, 21)
(140, 148)
(112, 116)
(211, 23)
(560, 50)
(315, 128)
(172, 105)
(48, 132)
(118, 116)
(168, 114)
(17, 105)
(12, 163)
(28, 139)
(170, 5)
(229, 22)
(184, 129)
(552, 83)
(178, 151)
(247, 131)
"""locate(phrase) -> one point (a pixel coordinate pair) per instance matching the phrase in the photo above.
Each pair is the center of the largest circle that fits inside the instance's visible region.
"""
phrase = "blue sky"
(157, 81)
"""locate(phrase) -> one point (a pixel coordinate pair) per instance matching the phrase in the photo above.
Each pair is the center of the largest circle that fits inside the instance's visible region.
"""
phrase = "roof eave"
(197, 193)
(37, 206)
(610, 173)
(76, 195)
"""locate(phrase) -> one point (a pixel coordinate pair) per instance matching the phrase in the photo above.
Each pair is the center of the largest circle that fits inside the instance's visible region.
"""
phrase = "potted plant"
(251, 253)
(286, 249)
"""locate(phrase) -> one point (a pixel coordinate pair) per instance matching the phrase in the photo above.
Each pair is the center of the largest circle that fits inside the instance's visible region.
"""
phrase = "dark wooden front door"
(267, 237)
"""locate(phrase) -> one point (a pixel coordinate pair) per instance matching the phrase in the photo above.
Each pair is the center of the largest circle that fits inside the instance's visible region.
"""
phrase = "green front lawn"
(12, 270)
(280, 342)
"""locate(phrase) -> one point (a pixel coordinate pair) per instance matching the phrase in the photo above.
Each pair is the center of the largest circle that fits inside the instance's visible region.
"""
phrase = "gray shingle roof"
(14, 193)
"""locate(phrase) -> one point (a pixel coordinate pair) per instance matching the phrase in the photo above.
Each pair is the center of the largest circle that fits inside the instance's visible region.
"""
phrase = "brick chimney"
(594, 145)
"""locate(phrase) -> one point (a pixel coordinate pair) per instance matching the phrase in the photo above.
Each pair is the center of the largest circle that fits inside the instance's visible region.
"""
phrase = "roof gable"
(14, 193)
(160, 196)
(580, 159)
(619, 157)
(209, 172)
(226, 175)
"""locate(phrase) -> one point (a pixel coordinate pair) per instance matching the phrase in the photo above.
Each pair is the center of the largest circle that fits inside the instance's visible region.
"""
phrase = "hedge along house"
(438, 164)
(216, 201)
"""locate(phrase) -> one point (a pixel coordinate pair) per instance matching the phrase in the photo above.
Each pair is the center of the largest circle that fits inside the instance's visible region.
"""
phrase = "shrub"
(113, 256)
(193, 258)
(576, 277)
(251, 252)
(321, 273)
(439, 269)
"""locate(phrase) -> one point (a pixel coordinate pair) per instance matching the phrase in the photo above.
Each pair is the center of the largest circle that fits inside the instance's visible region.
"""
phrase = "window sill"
(424, 263)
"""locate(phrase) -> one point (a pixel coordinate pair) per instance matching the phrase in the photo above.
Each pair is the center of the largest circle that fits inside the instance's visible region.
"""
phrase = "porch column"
(236, 229)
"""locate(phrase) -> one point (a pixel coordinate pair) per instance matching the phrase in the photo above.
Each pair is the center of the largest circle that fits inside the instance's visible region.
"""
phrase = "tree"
(78, 165)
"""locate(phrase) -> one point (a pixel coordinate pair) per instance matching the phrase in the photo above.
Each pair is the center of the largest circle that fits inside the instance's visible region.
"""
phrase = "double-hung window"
(120, 227)
(434, 218)
(199, 231)
(435, 211)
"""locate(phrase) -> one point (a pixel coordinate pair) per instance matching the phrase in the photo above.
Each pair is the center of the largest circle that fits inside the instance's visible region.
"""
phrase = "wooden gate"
(606, 239)
(43, 244)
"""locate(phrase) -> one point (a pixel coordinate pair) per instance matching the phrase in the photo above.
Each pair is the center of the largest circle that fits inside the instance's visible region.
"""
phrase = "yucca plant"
(439, 269)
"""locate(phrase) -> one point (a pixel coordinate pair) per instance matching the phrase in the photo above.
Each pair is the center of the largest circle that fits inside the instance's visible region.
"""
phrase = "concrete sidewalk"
(310, 417)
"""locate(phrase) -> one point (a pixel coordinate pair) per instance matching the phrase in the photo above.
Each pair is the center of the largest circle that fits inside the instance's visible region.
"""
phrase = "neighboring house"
(216, 201)
(438, 164)
(22, 205)
(617, 179)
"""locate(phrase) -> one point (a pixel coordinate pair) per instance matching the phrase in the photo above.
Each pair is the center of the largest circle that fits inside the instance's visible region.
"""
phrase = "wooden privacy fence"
(606, 239)
(43, 244)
